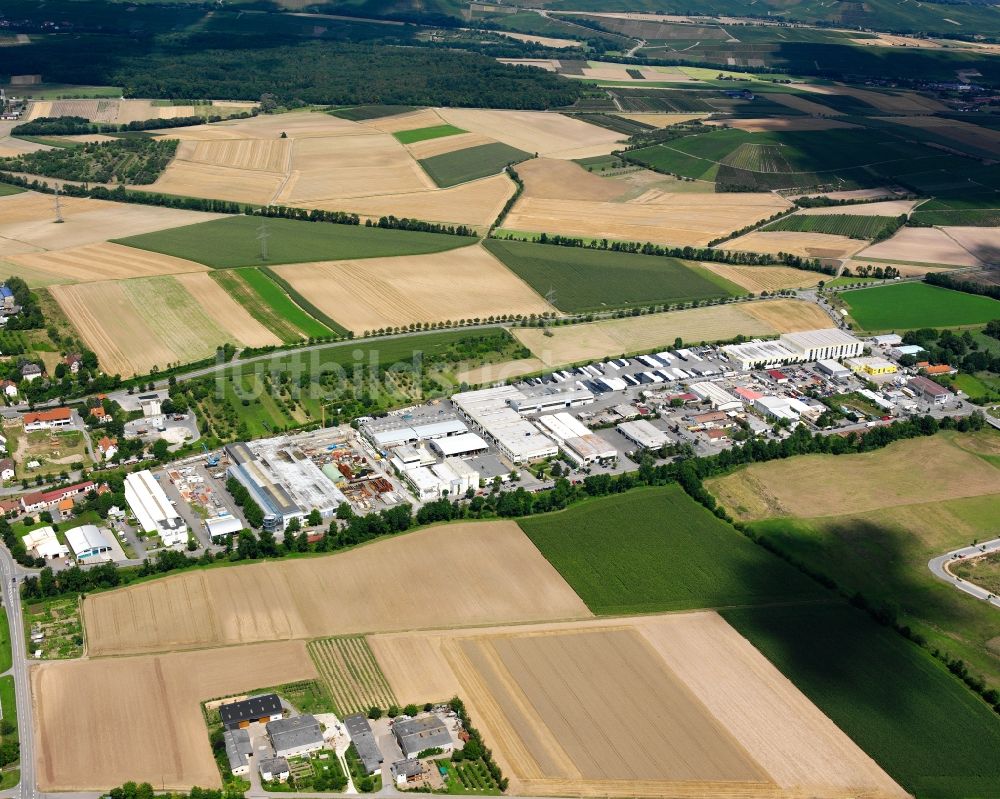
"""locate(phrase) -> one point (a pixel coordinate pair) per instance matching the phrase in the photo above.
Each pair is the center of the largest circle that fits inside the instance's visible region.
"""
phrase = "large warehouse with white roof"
(153, 511)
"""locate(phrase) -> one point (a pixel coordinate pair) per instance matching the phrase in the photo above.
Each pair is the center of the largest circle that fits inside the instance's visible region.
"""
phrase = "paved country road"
(22, 691)
(939, 567)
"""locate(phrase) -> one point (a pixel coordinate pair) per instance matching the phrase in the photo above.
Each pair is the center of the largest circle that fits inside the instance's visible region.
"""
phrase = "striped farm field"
(351, 674)
(869, 228)
(268, 303)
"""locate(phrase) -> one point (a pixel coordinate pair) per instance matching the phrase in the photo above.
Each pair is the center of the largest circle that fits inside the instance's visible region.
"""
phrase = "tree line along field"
(929, 732)
(471, 163)
(914, 305)
(587, 280)
(233, 242)
(360, 113)
(869, 228)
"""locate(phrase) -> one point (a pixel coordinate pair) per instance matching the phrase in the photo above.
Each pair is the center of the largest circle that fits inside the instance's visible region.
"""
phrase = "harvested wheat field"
(135, 698)
(808, 245)
(339, 594)
(134, 325)
(656, 216)
(216, 302)
(661, 120)
(921, 245)
(789, 316)
(799, 103)
(414, 120)
(350, 166)
(194, 179)
(982, 242)
(918, 470)
(542, 132)
(546, 41)
(899, 102)
(556, 179)
(611, 337)
(499, 372)
(476, 203)
(264, 155)
(765, 278)
(886, 208)
(905, 270)
(781, 123)
(104, 261)
(295, 124)
(374, 293)
(27, 219)
(675, 705)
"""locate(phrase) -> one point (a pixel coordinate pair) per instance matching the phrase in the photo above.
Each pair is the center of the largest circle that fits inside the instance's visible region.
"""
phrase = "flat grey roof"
(416, 735)
(273, 765)
(238, 747)
(364, 741)
(294, 732)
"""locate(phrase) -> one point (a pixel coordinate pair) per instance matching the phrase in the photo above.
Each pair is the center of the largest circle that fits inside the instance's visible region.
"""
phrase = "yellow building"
(871, 366)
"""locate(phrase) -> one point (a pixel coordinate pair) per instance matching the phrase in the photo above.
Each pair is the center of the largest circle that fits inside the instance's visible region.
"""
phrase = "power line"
(262, 236)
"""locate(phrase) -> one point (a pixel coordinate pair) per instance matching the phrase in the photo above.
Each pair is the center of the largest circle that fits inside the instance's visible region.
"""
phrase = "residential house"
(98, 414)
(108, 447)
(41, 500)
(9, 388)
(6, 469)
(47, 420)
(73, 362)
(31, 371)
(274, 768)
(7, 301)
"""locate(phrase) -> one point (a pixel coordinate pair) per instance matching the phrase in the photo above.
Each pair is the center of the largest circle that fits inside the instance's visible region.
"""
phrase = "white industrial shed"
(816, 345)
(576, 439)
(153, 510)
(223, 526)
(643, 434)
(489, 411)
(89, 542)
(718, 397)
(460, 446)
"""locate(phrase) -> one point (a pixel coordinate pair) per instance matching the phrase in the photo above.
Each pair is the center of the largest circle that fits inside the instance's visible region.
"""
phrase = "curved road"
(939, 568)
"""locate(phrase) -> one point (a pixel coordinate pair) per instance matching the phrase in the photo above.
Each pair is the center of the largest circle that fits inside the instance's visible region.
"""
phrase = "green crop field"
(656, 549)
(6, 189)
(587, 280)
(230, 242)
(6, 657)
(869, 228)
(927, 730)
(913, 305)
(472, 163)
(358, 113)
(267, 302)
(423, 134)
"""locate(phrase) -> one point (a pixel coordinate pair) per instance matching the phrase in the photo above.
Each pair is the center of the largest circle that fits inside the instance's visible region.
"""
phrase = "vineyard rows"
(351, 673)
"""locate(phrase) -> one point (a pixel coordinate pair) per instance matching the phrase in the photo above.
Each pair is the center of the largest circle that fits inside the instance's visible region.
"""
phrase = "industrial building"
(549, 398)
(283, 480)
(755, 354)
(364, 742)
(260, 709)
(153, 511)
(297, 735)
(384, 433)
(453, 476)
(576, 440)
(238, 750)
(818, 345)
(222, 527)
(906, 349)
(718, 397)
(888, 340)
(780, 408)
(416, 735)
(490, 411)
(928, 390)
(643, 434)
(833, 369)
(872, 366)
(43, 543)
(464, 445)
(90, 542)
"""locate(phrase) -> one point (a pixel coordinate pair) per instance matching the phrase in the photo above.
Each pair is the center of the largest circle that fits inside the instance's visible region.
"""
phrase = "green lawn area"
(979, 386)
(913, 305)
(232, 242)
(588, 280)
(8, 706)
(656, 549)
(6, 189)
(6, 658)
(423, 134)
(472, 163)
(281, 304)
(927, 730)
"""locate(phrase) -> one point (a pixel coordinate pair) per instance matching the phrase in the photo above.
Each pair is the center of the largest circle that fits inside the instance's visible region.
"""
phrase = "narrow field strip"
(350, 671)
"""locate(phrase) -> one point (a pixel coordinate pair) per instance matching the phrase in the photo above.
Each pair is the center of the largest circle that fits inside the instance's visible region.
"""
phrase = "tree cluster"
(76, 126)
(944, 280)
(140, 161)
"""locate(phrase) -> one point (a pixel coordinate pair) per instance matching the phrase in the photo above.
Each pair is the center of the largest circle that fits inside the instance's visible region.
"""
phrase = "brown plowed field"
(339, 594)
(218, 304)
(556, 179)
(661, 706)
(808, 245)
(656, 216)
(150, 726)
(27, 219)
(918, 470)
(389, 292)
(765, 278)
(105, 261)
